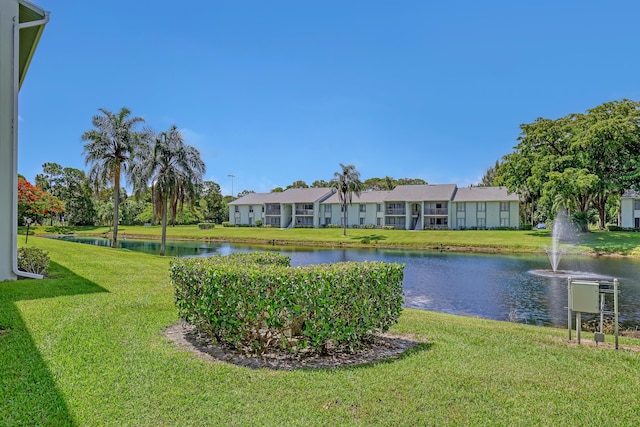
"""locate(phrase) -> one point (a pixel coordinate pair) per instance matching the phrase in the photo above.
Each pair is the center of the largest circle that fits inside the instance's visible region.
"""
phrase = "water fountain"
(561, 229)
(563, 234)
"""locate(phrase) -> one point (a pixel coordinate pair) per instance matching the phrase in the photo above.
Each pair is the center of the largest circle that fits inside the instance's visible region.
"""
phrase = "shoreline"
(316, 244)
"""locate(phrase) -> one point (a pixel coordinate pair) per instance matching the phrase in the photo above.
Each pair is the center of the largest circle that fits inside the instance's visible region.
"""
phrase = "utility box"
(598, 297)
(584, 297)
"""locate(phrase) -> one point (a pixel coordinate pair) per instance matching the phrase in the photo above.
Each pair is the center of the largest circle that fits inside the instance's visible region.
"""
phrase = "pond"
(499, 287)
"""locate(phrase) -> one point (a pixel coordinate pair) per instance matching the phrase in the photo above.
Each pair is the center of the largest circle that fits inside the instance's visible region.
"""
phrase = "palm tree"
(347, 182)
(109, 150)
(175, 171)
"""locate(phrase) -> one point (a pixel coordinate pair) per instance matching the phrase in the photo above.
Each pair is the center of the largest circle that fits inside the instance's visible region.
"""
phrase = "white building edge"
(21, 25)
(630, 209)
(408, 207)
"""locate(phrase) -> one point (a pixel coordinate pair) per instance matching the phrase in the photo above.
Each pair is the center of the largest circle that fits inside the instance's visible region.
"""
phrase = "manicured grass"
(86, 347)
(594, 243)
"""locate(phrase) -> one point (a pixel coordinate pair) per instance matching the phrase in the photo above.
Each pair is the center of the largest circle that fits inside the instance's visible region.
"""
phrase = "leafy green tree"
(72, 187)
(76, 195)
(347, 183)
(320, 183)
(212, 204)
(50, 178)
(610, 147)
(579, 159)
(244, 193)
(110, 147)
(175, 171)
(277, 190)
(489, 177)
(297, 184)
(411, 181)
(377, 184)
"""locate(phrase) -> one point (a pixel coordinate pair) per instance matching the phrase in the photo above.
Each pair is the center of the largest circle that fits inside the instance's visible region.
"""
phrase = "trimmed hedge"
(257, 301)
(206, 225)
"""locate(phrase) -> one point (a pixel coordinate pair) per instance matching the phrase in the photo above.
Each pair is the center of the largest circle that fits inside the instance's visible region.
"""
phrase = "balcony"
(436, 211)
(396, 211)
(304, 212)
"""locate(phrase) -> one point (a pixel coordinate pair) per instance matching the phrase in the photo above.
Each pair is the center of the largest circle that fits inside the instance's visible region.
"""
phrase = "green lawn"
(86, 347)
(594, 243)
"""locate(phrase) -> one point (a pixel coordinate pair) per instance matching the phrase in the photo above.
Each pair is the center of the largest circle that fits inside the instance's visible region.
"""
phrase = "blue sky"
(273, 92)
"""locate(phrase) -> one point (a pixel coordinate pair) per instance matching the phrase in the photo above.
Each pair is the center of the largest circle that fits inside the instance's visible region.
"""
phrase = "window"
(379, 208)
(361, 221)
(460, 223)
(395, 208)
(482, 223)
(273, 221)
(398, 222)
(636, 205)
(327, 208)
(482, 206)
(250, 208)
(460, 207)
(504, 222)
(236, 209)
(363, 207)
(378, 221)
(504, 206)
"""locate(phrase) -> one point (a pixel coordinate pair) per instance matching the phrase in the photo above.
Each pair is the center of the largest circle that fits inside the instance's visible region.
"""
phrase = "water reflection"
(492, 286)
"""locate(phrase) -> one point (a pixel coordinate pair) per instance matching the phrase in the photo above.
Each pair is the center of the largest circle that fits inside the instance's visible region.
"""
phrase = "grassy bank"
(86, 347)
(534, 241)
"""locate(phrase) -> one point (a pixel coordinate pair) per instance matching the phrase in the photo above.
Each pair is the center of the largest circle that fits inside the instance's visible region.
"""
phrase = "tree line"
(164, 173)
(580, 164)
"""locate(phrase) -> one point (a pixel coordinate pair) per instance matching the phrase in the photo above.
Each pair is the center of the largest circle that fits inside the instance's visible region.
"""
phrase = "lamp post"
(232, 176)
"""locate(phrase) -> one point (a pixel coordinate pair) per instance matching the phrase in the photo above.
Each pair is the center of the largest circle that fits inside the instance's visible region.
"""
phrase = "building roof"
(304, 195)
(373, 196)
(631, 194)
(255, 199)
(484, 194)
(419, 193)
(291, 195)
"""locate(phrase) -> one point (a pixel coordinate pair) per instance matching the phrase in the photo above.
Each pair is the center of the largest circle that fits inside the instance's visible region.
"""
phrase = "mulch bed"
(384, 347)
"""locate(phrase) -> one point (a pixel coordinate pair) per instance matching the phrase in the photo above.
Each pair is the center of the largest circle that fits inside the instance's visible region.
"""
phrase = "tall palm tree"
(109, 150)
(175, 171)
(347, 182)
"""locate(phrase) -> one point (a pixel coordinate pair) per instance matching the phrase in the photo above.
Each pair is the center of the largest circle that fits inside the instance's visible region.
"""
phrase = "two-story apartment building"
(408, 207)
(485, 207)
(295, 207)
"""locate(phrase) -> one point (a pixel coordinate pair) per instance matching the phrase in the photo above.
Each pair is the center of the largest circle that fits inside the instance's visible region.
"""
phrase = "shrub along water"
(258, 302)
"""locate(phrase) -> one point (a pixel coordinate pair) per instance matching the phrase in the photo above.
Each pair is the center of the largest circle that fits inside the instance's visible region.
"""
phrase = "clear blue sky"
(276, 91)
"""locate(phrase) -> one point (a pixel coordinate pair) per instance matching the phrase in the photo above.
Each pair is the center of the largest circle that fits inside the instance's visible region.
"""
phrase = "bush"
(258, 223)
(227, 224)
(612, 227)
(526, 226)
(33, 260)
(256, 301)
(206, 225)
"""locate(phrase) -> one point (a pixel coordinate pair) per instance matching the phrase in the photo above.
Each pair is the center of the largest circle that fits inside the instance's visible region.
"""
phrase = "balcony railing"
(396, 211)
(273, 212)
(436, 211)
(304, 212)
